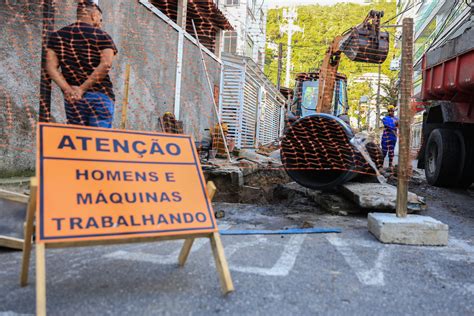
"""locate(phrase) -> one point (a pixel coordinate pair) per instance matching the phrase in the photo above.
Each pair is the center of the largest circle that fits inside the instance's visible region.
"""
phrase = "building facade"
(249, 20)
(436, 21)
(166, 71)
(251, 105)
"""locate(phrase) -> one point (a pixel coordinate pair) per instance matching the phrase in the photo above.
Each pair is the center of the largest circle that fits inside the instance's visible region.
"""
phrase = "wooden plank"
(123, 122)
(221, 264)
(183, 256)
(11, 242)
(12, 217)
(40, 280)
(13, 196)
(211, 190)
(28, 233)
(88, 243)
(404, 163)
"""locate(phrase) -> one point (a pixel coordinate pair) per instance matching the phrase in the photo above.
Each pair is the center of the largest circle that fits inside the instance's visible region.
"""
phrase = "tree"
(390, 92)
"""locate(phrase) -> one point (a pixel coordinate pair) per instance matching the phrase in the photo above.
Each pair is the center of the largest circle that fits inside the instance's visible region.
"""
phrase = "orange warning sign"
(100, 184)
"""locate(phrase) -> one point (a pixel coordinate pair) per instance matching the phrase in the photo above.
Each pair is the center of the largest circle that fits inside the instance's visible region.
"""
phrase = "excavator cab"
(366, 42)
(305, 98)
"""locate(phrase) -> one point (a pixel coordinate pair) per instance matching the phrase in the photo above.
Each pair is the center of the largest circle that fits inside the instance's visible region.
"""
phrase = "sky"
(273, 3)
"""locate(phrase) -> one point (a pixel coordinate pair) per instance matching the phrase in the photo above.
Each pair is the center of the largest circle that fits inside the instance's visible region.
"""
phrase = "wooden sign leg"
(40, 280)
(188, 243)
(28, 233)
(221, 263)
(183, 256)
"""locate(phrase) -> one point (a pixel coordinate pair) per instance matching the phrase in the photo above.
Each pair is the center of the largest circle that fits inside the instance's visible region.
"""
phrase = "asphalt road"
(338, 274)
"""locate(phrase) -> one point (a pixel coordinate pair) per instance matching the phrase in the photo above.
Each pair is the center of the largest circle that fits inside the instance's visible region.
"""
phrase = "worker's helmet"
(390, 108)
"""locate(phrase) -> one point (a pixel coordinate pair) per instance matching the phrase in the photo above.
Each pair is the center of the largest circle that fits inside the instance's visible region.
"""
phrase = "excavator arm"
(363, 43)
(327, 76)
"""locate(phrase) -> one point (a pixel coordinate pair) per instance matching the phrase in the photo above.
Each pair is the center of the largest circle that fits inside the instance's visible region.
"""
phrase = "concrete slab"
(335, 203)
(377, 196)
(411, 230)
(330, 202)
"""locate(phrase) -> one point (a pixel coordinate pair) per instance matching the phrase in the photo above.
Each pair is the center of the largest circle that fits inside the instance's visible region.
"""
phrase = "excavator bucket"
(366, 42)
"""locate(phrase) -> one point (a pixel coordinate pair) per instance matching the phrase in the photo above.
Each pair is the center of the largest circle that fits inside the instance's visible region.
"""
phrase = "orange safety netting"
(149, 46)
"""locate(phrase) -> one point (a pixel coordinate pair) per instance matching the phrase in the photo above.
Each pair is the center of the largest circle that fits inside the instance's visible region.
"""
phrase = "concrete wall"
(145, 42)
(20, 55)
(197, 108)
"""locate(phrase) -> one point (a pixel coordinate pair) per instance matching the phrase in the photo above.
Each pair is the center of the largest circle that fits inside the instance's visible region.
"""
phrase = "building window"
(230, 42)
(249, 48)
(232, 2)
(251, 5)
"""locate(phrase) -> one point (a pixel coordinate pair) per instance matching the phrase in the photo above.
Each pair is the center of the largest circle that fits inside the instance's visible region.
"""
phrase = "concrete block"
(411, 230)
(377, 196)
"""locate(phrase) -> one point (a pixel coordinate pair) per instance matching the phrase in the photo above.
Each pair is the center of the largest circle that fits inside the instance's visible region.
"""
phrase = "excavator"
(319, 149)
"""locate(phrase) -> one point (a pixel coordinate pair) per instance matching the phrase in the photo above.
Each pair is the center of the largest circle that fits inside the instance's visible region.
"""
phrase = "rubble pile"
(259, 179)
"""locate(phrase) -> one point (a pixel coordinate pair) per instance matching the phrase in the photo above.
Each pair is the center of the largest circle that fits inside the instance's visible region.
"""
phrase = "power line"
(437, 38)
(404, 11)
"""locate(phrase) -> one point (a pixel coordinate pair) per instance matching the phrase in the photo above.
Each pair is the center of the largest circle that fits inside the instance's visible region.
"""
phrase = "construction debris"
(331, 202)
(267, 149)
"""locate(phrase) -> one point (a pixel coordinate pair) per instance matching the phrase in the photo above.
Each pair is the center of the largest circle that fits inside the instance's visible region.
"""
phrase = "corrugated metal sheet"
(249, 111)
(251, 105)
(232, 99)
(269, 119)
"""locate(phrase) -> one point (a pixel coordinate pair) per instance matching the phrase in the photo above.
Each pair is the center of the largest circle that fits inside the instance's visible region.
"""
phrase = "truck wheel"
(467, 177)
(444, 158)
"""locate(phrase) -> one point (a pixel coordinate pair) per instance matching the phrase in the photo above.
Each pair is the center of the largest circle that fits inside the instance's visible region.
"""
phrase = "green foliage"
(390, 92)
(321, 24)
(355, 91)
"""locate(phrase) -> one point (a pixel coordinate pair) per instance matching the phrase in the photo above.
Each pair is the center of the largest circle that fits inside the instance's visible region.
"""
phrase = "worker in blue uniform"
(389, 136)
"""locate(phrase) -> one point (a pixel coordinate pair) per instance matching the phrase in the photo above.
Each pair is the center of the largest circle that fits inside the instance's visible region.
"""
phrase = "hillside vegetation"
(320, 24)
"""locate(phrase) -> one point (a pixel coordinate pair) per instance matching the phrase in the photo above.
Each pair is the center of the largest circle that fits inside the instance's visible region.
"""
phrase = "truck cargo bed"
(448, 71)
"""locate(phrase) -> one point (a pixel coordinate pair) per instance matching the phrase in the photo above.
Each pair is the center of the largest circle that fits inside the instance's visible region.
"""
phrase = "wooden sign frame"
(8, 241)
(215, 240)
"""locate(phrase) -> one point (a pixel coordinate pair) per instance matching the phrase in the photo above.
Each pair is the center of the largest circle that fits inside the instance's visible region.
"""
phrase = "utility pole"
(404, 165)
(280, 58)
(358, 116)
(377, 118)
(290, 15)
(182, 13)
(367, 116)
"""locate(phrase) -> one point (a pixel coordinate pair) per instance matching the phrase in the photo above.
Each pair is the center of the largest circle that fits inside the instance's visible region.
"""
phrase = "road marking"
(282, 267)
(171, 258)
(466, 288)
(373, 276)
(461, 244)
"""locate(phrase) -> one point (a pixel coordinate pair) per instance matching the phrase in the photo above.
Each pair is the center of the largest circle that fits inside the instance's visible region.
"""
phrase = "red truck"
(447, 151)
